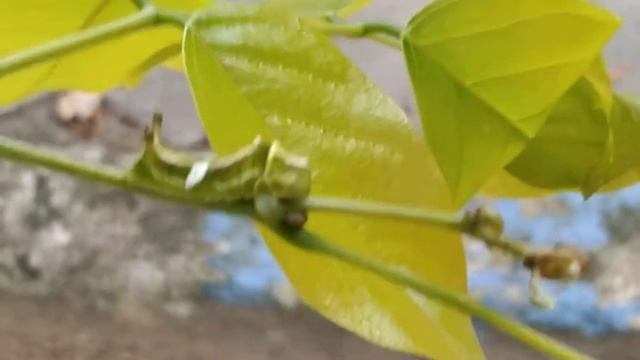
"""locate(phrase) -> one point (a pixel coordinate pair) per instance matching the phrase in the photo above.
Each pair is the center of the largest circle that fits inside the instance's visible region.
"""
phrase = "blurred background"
(89, 272)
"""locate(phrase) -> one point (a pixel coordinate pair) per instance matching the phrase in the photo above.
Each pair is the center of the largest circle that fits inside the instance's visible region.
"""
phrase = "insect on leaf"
(121, 61)
(254, 69)
(487, 74)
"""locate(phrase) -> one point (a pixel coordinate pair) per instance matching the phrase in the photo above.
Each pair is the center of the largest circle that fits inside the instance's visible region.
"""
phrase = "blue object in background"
(571, 221)
(250, 270)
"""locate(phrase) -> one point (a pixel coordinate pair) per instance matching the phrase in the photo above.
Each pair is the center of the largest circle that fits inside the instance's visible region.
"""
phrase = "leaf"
(574, 141)
(255, 70)
(29, 23)
(487, 74)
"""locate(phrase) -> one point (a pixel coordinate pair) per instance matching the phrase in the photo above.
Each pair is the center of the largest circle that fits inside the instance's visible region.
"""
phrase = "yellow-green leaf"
(254, 70)
(487, 74)
(574, 141)
(29, 23)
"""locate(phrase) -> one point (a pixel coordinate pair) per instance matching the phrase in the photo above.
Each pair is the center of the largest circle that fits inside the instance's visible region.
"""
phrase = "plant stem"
(355, 207)
(385, 34)
(147, 16)
(18, 151)
(26, 153)
(514, 248)
(432, 217)
(76, 41)
(532, 338)
(22, 152)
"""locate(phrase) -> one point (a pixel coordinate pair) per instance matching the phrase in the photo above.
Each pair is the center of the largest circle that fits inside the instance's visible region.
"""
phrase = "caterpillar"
(258, 169)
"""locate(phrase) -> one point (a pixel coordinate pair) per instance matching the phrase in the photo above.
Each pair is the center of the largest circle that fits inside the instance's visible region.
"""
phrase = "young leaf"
(29, 23)
(487, 73)
(254, 70)
(575, 138)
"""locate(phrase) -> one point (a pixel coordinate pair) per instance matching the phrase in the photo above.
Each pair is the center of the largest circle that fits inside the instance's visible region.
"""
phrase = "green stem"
(432, 217)
(385, 34)
(532, 338)
(147, 16)
(355, 207)
(514, 248)
(174, 17)
(18, 151)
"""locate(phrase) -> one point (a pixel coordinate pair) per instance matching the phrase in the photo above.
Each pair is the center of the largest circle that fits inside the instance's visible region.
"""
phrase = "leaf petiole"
(383, 33)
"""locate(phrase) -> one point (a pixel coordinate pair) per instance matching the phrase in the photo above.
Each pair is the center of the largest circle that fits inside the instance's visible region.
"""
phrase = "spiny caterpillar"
(276, 180)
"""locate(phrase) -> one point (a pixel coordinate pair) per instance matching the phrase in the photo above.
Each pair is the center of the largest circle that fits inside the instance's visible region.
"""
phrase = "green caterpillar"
(258, 172)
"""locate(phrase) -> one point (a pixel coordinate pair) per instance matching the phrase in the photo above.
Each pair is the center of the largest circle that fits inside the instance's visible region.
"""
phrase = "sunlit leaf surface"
(255, 70)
